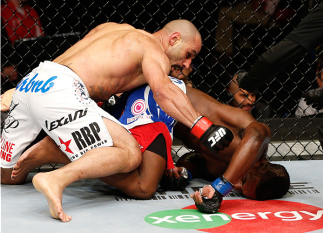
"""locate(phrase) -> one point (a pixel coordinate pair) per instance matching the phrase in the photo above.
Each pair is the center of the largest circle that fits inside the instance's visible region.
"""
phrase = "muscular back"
(108, 59)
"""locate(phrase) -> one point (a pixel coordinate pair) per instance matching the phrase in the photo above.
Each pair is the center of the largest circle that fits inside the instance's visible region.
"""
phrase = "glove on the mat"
(221, 188)
(173, 184)
(212, 205)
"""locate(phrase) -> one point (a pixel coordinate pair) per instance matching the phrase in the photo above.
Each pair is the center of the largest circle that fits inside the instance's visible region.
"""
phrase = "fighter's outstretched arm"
(216, 111)
(175, 103)
(169, 97)
(255, 138)
(254, 143)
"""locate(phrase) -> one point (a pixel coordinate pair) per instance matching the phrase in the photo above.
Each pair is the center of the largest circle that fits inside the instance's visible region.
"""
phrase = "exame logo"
(244, 216)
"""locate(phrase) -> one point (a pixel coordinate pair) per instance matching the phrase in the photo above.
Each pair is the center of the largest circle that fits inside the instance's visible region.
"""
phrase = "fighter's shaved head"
(181, 42)
(185, 28)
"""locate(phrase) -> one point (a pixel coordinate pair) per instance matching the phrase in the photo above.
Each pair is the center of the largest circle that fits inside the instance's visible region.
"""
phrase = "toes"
(13, 175)
(64, 217)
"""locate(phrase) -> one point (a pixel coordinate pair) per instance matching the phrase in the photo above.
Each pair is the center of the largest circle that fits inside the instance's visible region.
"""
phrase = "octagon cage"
(234, 34)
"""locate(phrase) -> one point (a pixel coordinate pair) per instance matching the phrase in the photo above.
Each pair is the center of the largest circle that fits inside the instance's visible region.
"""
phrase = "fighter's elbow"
(258, 131)
(162, 94)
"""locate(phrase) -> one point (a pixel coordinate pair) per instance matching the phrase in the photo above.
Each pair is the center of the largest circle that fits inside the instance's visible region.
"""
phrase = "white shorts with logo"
(52, 97)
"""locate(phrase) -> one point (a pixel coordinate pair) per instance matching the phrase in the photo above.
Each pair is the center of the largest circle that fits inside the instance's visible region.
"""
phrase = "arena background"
(65, 22)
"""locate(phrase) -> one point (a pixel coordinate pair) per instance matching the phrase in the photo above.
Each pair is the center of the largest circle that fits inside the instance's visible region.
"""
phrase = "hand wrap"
(222, 185)
(214, 137)
(173, 184)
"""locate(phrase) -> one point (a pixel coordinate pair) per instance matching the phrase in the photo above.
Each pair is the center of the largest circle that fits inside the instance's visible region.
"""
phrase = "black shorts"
(158, 146)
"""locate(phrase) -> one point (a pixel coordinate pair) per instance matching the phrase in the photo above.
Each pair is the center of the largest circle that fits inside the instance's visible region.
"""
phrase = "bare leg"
(43, 152)
(123, 157)
(143, 181)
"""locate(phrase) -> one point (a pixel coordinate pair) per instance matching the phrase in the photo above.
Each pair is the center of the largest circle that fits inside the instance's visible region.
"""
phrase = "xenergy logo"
(187, 219)
(244, 216)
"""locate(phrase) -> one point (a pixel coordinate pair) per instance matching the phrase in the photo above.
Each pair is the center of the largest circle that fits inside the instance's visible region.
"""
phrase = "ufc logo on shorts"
(218, 135)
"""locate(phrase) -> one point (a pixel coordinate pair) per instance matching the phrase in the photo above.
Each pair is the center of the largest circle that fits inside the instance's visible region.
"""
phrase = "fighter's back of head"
(274, 183)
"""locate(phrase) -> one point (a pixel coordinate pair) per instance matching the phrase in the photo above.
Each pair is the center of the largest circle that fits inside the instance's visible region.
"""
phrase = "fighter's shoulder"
(119, 26)
(111, 27)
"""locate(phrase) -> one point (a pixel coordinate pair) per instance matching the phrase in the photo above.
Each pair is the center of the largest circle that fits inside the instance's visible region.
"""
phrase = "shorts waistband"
(55, 67)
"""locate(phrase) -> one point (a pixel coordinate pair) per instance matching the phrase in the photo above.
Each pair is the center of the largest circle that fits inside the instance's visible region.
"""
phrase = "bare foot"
(43, 152)
(53, 193)
(25, 163)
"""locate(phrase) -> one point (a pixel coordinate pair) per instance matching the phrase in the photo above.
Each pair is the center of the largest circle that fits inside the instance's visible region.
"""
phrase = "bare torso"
(108, 59)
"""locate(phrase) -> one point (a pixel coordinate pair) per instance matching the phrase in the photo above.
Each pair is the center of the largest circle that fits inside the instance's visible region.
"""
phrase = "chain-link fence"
(235, 34)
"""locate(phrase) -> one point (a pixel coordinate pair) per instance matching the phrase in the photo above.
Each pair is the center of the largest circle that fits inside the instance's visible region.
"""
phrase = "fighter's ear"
(174, 38)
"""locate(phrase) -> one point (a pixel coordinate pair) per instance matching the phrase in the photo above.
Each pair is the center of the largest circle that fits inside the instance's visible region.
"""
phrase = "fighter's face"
(243, 99)
(182, 53)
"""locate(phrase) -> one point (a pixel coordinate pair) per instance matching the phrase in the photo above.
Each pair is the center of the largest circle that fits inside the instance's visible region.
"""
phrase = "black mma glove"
(221, 188)
(245, 82)
(214, 137)
(212, 205)
(314, 97)
(173, 184)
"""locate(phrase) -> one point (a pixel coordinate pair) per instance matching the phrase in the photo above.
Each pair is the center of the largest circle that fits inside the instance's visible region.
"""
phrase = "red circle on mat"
(249, 216)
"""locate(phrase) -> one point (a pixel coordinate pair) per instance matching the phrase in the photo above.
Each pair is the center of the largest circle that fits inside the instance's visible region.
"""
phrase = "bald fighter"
(150, 125)
(59, 97)
(240, 158)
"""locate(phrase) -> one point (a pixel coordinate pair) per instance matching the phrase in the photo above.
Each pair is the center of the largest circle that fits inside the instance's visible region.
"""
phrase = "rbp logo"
(87, 136)
(218, 135)
(244, 216)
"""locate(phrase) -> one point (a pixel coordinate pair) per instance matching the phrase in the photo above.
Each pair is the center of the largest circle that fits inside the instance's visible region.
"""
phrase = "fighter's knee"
(129, 157)
(145, 191)
(133, 159)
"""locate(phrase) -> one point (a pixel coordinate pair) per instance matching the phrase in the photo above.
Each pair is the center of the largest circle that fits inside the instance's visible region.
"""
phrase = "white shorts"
(52, 97)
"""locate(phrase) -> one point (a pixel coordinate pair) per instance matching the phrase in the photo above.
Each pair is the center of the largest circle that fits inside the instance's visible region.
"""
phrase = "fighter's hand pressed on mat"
(209, 198)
